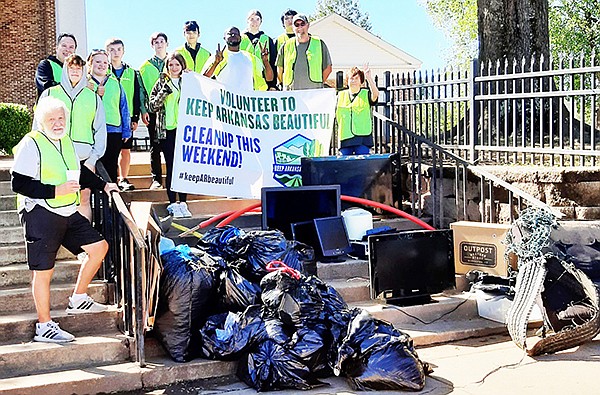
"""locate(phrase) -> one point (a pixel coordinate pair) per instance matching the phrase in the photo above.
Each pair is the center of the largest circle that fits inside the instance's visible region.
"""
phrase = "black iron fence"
(540, 112)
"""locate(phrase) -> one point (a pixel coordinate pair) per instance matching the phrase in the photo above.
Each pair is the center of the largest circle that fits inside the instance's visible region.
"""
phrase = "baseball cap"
(300, 17)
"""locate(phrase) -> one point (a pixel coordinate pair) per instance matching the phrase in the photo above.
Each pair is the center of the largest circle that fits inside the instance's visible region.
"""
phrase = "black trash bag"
(295, 301)
(225, 336)
(216, 241)
(312, 345)
(275, 363)
(187, 293)
(255, 250)
(236, 292)
(376, 356)
(299, 256)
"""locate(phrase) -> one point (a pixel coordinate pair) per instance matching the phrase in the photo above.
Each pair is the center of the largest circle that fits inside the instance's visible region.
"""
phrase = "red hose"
(385, 207)
(237, 214)
(215, 218)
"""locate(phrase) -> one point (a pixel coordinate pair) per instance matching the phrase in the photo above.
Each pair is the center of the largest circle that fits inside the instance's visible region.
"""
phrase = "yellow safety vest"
(56, 71)
(54, 163)
(259, 82)
(314, 56)
(111, 100)
(128, 81)
(172, 107)
(150, 74)
(82, 111)
(353, 116)
(201, 58)
(246, 45)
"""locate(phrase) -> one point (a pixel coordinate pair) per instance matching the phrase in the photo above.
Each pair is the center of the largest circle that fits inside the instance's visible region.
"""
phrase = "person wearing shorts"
(47, 177)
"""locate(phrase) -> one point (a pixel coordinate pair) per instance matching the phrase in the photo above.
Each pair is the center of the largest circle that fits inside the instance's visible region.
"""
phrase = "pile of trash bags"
(246, 296)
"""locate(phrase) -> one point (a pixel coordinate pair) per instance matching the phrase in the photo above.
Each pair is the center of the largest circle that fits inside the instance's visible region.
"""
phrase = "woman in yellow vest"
(87, 125)
(118, 121)
(164, 101)
(353, 113)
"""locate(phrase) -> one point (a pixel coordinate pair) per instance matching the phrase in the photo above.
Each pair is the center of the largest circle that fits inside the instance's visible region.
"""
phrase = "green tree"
(574, 27)
(349, 9)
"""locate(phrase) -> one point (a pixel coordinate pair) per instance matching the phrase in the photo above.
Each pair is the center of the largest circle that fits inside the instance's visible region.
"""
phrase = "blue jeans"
(355, 150)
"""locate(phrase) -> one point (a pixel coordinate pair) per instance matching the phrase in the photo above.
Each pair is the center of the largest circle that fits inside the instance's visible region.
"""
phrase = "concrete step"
(85, 351)
(143, 169)
(19, 299)
(15, 253)
(352, 289)
(4, 174)
(207, 207)
(157, 195)
(116, 377)
(19, 273)
(8, 202)
(9, 218)
(5, 188)
(351, 268)
(11, 234)
(20, 327)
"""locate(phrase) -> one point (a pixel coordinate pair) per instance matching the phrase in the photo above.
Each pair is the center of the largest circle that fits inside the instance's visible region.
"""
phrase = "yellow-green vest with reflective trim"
(259, 82)
(281, 40)
(314, 56)
(127, 81)
(150, 75)
(82, 113)
(246, 45)
(56, 71)
(201, 58)
(172, 107)
(111, 100)
(353, 116)
(54, 163)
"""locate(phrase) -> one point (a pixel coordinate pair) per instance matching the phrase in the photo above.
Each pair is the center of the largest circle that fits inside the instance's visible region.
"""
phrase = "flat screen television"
(283, 206)
(407, 267)
(374, 177)
(333, 236)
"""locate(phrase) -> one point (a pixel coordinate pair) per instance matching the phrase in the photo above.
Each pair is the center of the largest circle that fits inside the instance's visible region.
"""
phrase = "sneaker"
(50, 332)
(174, 210)
(86, 305)
(155, 185)
(125, 185)
(185, 212)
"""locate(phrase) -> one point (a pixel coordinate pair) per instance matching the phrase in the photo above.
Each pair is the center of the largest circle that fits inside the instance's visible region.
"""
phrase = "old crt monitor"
(282, 206)
(407, 267)
(375, 177)
(333, 236)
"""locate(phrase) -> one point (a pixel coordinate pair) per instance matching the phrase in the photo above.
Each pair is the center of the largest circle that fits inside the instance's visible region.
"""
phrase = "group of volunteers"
(88, 109)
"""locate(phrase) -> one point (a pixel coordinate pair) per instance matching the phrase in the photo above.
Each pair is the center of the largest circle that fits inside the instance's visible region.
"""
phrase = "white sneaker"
(185, 212)
(50, 332)
(155, 185)
(86, 305)
(175, 210)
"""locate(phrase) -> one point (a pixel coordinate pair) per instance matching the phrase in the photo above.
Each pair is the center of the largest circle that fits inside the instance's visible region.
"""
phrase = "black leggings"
(110, 160)
(167, 146)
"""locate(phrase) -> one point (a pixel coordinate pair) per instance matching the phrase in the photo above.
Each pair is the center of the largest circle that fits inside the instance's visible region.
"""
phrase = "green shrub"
(15, 122)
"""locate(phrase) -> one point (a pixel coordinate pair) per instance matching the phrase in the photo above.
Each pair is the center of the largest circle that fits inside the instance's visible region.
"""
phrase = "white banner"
(232, 143)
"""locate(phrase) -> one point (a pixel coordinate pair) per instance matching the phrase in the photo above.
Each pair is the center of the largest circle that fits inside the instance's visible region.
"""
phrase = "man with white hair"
(46, 176)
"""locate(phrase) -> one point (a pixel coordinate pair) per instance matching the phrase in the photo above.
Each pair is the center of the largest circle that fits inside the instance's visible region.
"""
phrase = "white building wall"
(70, 18)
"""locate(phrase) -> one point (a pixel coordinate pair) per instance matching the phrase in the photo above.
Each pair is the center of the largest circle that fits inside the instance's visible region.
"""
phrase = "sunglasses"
(299, 24)
(97, 51)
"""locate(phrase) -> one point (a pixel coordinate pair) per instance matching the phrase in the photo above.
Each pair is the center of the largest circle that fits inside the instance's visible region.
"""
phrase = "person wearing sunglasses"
(304, 61)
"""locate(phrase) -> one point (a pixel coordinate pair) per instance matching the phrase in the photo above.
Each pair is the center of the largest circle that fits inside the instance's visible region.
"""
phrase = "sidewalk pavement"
(490, 365)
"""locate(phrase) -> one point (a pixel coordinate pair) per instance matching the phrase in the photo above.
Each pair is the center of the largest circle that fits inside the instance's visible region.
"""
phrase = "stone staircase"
(101, 359)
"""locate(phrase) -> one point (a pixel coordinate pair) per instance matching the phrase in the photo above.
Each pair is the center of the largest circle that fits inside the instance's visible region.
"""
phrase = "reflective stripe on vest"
(111, 100)
(258, 81)
(314, 57)
(172, 107)
(353, 116)
(201, 58)
(246, 45)
(150, 75)
(82, 113)
(56, 71)
(281, 40)
(54, 164)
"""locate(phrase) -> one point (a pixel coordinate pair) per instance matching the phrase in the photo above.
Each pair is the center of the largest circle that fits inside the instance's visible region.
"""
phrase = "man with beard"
(46, 176)
(235, 67)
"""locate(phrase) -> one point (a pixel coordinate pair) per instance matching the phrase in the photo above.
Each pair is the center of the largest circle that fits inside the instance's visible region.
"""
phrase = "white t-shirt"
(27, 163)
(238, 72)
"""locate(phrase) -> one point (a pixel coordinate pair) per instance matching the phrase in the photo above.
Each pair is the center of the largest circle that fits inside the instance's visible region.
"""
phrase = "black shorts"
(46, 231)
(128, 144)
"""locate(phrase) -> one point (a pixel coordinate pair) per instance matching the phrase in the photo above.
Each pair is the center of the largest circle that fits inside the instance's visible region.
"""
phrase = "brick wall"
(27, 35)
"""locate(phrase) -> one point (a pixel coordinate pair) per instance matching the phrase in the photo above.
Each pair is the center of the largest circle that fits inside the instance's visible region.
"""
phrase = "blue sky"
(403, 23)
